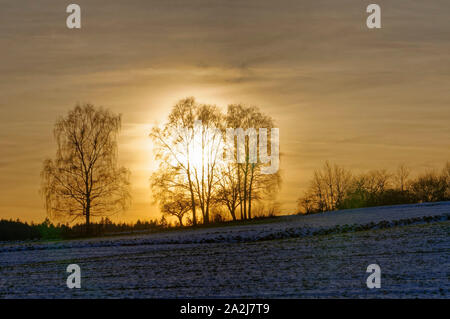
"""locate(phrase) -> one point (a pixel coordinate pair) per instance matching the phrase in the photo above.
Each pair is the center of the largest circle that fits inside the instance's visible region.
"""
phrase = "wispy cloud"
(337, 90)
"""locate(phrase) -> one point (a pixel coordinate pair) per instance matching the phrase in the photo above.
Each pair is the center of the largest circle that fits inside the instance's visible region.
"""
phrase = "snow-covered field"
(323, 255)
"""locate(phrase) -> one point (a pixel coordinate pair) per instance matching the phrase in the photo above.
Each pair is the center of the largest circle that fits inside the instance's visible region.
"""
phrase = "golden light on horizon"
(361, 99)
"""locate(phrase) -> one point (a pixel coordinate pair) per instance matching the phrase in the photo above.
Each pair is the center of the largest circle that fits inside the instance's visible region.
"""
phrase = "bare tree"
(189, 147)
(328, 188)
(171, 192)
(209, 144)
(84, 179)
(446, 170)
(446, 174)
(251, 184)
(401, 177)
(173, 146)
(430, 187)
(176, 205)
(306, 204)
(228, 188)
(343, 181)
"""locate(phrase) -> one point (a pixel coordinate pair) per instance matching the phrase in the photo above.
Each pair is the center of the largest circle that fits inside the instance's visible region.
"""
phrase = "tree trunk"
(250, 188)
(194, 216)
(233, 213)
(240, 192)
(88, 215)
(242, 212)
(250, 202)
(247, 186)
(206, 215)
(245, 196)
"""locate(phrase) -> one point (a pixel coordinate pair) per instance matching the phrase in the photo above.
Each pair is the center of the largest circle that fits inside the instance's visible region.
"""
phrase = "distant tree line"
(18, 230)
(334, 187)
(11, 230)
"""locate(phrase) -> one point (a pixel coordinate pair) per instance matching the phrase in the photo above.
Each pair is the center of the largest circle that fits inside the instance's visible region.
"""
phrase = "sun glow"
(199, 149)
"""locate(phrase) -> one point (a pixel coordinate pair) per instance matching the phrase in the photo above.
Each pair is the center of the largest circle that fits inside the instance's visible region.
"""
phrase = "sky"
(362, 98)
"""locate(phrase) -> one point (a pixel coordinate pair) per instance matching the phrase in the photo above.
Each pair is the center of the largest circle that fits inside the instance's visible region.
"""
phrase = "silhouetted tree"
(446, 174)
(248, 180)
(171, 193)
(84, 179)
(177, 205)
(401, 177)
(210, 147)
(327, 190)
(174, 147)
(430, 187)
(228, 188)
(376, 183)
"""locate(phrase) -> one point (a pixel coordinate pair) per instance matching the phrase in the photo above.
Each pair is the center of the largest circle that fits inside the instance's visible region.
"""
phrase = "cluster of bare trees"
(431, 186)
(327, 190)
(193, 178)
(334, 187)
(84, 179)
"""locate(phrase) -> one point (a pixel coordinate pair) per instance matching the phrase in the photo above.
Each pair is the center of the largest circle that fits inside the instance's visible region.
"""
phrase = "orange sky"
(338, 91)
